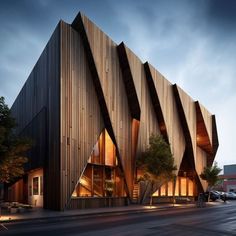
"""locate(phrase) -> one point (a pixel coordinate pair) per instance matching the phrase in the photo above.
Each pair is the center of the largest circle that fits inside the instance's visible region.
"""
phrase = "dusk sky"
(191, 42)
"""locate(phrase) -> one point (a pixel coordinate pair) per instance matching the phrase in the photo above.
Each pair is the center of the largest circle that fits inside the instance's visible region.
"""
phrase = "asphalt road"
(218, 220)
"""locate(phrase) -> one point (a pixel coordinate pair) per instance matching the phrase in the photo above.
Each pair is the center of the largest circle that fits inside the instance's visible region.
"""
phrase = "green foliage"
(157, 162)
(210, 174)
(12, 148)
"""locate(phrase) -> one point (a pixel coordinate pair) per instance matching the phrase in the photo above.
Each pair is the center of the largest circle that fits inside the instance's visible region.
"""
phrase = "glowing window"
(183, 186)
(36, 185)
(170, 188)
(163, 190)
(190, 187)
(109, 150)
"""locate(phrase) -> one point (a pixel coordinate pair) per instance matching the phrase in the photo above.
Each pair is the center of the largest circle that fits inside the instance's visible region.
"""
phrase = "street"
(219, 219)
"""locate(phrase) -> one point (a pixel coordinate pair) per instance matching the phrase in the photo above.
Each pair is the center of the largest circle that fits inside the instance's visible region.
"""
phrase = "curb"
(89, 214)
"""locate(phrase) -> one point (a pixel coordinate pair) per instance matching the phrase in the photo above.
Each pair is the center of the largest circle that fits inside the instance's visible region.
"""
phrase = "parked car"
(213, 196)
(228, 196)
(231, 196)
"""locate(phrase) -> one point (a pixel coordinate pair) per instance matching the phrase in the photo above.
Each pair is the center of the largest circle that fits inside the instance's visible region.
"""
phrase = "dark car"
(213, 196)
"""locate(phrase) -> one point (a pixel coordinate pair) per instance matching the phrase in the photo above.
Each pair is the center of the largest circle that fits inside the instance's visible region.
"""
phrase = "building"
(91, 105)
(229, 178)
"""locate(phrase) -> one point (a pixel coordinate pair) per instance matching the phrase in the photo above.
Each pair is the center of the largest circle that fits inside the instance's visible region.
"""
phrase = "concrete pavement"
(39, 213)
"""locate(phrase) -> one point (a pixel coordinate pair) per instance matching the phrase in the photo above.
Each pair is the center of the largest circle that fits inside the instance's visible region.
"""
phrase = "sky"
(192, 43)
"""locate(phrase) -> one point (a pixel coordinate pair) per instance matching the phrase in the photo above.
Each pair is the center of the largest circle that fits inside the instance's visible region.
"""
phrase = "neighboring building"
(91, 105)
(229, 178)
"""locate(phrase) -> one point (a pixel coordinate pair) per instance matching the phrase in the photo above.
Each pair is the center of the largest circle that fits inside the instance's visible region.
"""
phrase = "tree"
(156, 165)
(210, 174)
(12, 148)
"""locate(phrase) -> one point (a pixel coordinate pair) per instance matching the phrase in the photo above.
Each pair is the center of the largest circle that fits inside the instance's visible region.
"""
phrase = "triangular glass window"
(102, 176)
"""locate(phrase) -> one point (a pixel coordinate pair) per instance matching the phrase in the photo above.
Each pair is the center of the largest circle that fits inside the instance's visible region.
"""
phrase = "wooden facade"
(84, 84)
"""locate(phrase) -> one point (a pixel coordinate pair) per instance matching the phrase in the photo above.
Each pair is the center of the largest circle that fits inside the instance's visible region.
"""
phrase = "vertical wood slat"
(148, 121)
(40, 94)
(110, 90)
(81, 119)
(171, 118)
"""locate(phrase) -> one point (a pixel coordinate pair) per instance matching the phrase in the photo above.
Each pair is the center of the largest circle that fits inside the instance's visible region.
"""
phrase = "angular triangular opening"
(187, 166)
(102, 176)
(203, 140)
(187, 169)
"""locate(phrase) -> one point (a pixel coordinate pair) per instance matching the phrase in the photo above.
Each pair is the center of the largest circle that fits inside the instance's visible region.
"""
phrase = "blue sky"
(192, 43)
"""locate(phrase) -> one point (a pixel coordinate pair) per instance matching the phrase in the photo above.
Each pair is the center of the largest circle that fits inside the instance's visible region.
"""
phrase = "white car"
(231, 195)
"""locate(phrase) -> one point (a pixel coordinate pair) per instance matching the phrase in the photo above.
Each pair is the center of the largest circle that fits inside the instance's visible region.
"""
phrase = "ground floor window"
(102, 176)
(183, 186)
(35, 187)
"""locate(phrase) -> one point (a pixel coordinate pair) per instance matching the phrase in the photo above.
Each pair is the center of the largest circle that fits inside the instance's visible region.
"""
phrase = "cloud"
(194, 48)
(226, 129)
(221, 14)
(192, 43)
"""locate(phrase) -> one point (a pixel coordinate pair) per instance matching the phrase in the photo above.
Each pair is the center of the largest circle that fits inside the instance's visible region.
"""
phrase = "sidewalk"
(42, 214)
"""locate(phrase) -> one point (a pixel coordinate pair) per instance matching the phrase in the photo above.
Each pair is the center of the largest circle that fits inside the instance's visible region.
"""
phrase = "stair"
(135, 198)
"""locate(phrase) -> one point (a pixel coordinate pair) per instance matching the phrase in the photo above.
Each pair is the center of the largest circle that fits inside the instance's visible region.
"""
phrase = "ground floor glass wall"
(183, 186)
(102, 176)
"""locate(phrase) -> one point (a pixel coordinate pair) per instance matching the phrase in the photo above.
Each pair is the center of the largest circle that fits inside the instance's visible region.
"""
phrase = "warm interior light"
(83, 182)
(190, 187)
(170, 188)
(74, 194)
(183, 187)
(150, 207)
(163, 190)
(109, 150)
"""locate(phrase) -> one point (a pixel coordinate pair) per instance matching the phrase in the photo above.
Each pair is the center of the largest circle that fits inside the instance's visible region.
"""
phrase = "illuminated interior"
(203, 140)
(184, 186)
(102, 176)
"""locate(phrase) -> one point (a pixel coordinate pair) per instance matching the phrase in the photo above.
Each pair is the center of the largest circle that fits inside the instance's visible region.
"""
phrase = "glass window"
(83, 191)
(190, 187)
(102, 176)
(109, 150)
(36, 185)
(163, 190)
(170, 188)
(183, 186)
(97, 181)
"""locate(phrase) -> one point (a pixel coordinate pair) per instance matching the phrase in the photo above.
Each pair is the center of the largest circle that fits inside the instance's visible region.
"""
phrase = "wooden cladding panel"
(41, 92)
(201, 162)
(134, 102)
(148, 120)
(81, 119)
(38, 132)
(203, 139)
(104, 52)
(135, 66)
(188, 106)
(207, 117)
(170, 114)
